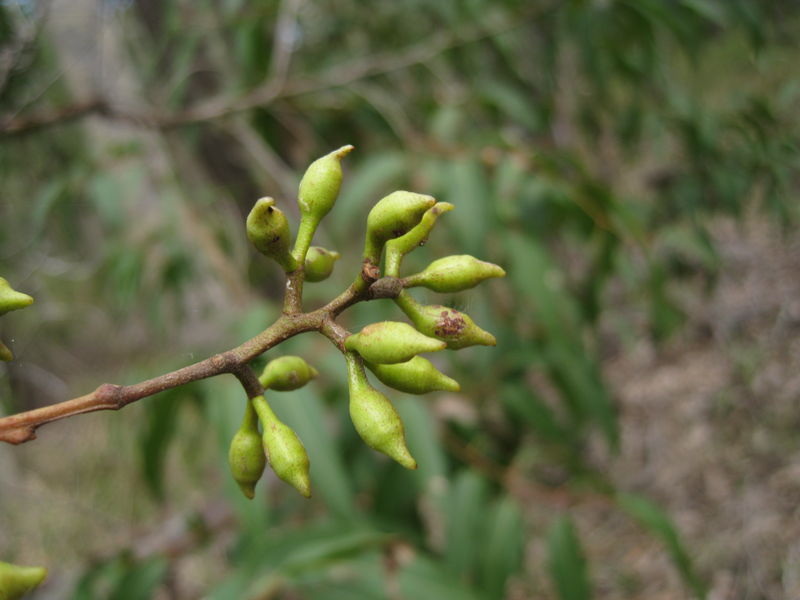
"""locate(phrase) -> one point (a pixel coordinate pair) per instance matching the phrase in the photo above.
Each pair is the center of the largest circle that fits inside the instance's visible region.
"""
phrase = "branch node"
(224, 362)
(110, 394)
(370, 272)
(385, 287)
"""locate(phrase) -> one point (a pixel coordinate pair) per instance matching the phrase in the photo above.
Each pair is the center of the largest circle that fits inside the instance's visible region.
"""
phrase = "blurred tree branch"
(276, 87)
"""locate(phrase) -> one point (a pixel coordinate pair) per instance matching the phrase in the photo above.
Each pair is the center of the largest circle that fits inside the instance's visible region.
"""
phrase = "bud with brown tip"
(455, 328)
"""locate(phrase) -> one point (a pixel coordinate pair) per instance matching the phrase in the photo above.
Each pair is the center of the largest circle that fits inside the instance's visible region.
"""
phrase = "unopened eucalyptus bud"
(374, 417)
(245, 455)
(319, 263)
(391, 342)
(16, 581)
(320, 185)
(287, 373)
(444, 323)
(416, 376)
(268, 230)
(319, 189)
(285, 451)
(397, 248)
(5, 353)
(454, 274)
(11, 299)
(393, 216)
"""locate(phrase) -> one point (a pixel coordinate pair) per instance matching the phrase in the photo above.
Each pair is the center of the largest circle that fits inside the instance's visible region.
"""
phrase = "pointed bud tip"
(487, 339)
(248, 489)
(343, 151)
(302, 484)
(442, 207)
(450, 385)
(408, 462)
(435, 345)
(496, 270)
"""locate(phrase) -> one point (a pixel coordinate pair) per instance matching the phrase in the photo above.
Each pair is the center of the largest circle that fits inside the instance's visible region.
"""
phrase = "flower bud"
(447, 324)
(390, 342)
(245, 455)
(10, 299)
(455, 274)
(374, 417)
(393, 216)
(5, 354)
(16, 581)
(397, 248)
(284, 450)
(319, 263)
(320, 185)
(268, 230)
(416, 376)
(287, 373)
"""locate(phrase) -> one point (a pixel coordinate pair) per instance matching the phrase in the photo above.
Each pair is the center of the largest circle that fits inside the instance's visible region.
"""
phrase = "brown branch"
(19, 428)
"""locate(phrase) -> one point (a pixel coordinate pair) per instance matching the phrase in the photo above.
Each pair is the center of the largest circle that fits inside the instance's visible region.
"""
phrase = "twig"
(20, 428)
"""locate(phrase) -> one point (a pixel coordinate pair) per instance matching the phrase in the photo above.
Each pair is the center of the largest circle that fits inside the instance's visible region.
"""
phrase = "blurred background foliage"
(590, 147)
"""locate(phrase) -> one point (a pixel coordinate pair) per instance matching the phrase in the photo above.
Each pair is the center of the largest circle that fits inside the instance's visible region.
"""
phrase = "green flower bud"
(16, 581)
(245, 455)
(5, 354)
(455, 274)
(417, 376)
(10, 299)
(268, 229)
(284, 450)
(320, 184)
(391, 217)
(397, 248)
(374, 417)
(319, 263)
(287, 373)
(391, 342)
(448, 324)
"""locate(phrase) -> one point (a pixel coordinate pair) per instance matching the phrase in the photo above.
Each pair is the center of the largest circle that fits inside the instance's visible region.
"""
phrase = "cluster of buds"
(396, 225)
(10, 299)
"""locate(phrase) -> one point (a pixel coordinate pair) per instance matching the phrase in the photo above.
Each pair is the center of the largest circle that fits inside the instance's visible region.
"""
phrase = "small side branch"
(19, 428)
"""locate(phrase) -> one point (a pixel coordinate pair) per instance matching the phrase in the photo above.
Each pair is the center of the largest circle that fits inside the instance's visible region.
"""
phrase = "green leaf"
(425, 578)
(157, 434)
(465, 513)
(423, 440)
(140, 581)
(567, 563)
(501, 546)
(303, 411)
(468, 190)
(657, 522)
(526, 405)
